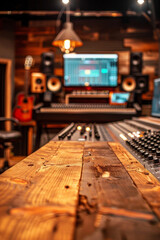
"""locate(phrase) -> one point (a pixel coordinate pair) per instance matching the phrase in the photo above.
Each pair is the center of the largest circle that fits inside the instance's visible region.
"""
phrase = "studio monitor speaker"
(38, 82)
(47, 62)
(54, 84)
(128, 83)
(137, 83)
(135, 63)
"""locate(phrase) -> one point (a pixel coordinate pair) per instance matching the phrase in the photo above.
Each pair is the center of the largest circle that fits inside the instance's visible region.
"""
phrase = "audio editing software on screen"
(96, 70)
(119, 98)
(156, 99)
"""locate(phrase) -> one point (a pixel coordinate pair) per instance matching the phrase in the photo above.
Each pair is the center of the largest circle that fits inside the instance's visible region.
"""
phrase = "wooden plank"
(146, 183)
(97, 226)
(110, 205)
(103, 170)
(45, 30)
(141, 45)
(32, 51)
(39, 195)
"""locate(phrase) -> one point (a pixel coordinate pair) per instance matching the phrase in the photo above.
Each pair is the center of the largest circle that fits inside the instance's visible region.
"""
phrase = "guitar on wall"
(24, 106)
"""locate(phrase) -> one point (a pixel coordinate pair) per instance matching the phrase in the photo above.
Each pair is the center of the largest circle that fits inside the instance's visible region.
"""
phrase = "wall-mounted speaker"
(47, 63)
(135, 63)
(38, 82)
(137, 83)
(54, 84)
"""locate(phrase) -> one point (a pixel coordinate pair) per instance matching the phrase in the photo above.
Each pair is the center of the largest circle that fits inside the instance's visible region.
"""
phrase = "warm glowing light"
(123, 137)
(67, 44)
(79, 127)
(88, 129)
(67, 40)
(140, 1)
(65, 1)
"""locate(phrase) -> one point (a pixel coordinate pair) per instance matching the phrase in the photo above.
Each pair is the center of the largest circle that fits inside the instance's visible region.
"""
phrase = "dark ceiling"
(121, 6)
(51, 5)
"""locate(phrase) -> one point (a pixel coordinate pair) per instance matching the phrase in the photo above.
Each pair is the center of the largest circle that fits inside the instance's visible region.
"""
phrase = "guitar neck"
(26, 85)
(27, 65)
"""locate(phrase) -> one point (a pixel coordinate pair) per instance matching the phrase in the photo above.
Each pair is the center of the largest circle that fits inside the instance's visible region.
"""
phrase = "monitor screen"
(156, 99)
(119, 98)
(90, 70)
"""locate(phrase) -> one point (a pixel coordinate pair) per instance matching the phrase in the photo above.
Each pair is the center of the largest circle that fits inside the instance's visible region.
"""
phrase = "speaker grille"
(135, 63)
(47, 63)
(128, 83)
(54, 84)
(38, 82)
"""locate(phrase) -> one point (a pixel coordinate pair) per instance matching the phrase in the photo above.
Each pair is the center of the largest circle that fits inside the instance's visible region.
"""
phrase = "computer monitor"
(90, 71)
(119, 98)
(156, 99)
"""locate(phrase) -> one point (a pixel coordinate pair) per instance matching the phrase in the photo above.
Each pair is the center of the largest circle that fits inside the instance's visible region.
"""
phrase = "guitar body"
(24, 107)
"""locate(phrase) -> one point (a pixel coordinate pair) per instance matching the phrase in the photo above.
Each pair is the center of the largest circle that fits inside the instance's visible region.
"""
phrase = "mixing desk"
(140, 139)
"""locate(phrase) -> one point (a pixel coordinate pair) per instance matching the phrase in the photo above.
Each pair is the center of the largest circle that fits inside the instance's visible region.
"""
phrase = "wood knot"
(31, 164)
(89, 184)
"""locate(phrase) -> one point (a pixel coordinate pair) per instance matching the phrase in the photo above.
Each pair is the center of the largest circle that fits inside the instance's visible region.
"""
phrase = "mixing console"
(140, 139)
(84, 132)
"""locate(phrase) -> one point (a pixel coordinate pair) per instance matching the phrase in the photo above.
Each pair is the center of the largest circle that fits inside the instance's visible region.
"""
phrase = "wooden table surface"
(79, 191)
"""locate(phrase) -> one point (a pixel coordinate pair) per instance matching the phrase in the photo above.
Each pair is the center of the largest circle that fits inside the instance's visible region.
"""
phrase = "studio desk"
(80, 190)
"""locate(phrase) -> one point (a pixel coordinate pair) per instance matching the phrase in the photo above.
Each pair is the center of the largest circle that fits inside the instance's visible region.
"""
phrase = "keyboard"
(60, 113)
(86, 108)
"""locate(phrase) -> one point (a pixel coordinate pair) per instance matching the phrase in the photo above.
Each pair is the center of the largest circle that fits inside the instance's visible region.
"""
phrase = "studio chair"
(7, 138)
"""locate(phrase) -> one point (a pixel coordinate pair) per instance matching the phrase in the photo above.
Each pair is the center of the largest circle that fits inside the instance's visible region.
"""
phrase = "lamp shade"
(67, 39)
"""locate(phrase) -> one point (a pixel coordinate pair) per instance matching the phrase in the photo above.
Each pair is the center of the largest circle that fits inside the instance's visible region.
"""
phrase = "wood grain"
(102, 227)
(45, 197)
(39, 195)
(104, 174)
(111, 207)
(146, 183)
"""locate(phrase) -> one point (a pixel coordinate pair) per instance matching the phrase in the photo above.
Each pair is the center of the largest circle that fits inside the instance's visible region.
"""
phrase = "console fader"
(140, 137)
(84, 132)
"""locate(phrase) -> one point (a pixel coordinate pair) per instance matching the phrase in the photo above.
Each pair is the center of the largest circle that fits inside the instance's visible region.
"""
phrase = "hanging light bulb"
(140, 1)
(65, 1)
(67, 40)
(67, 44)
